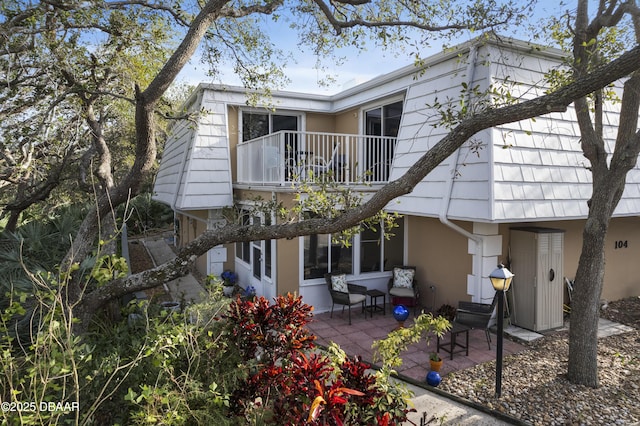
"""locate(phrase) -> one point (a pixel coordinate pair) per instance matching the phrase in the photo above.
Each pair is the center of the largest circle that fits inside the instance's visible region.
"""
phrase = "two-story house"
(515, 193)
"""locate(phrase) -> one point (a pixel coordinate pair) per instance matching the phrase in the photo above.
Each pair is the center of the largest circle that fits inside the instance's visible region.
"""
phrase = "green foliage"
(218, 362)
(327, 199)
(609, 43)
(42, 369)
(471, 100)
(108, 268)
(388, 350)
(317, 198)
(144, 214)
(37, 245)
(156, 367)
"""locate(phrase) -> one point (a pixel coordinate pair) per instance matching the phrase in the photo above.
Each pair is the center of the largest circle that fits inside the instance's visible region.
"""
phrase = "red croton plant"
(292, 382)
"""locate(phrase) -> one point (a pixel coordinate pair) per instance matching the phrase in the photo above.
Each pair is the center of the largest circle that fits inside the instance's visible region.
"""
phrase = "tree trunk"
(609, 173)
(583, 329)
(12, 222)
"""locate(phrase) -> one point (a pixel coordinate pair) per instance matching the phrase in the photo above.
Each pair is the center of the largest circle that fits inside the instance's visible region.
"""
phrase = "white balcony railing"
(287, 157)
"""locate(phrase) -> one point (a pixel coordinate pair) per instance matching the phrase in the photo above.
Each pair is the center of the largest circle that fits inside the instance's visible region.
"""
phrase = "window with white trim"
(381, 124)
(369, 252)
(256, 124)
(243, 249)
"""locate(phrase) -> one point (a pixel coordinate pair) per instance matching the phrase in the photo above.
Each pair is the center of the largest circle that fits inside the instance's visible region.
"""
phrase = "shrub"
(218, 362)
(145, 214)
(289, 381)
(153, 369)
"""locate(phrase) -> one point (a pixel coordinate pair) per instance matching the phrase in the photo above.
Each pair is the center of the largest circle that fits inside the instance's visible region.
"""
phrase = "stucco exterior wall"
(440, 256)
(348, 121)
(190, 226)
(287, 257)
(622, 269)
(232, 126)
(287, 265)
(320, 122)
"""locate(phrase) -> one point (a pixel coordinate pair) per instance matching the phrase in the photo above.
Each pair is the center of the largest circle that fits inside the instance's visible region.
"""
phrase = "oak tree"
(70, 32)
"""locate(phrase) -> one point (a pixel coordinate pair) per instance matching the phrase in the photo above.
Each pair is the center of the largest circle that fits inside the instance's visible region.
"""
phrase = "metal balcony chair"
(320, 166)
(476, 315)
(344, 293)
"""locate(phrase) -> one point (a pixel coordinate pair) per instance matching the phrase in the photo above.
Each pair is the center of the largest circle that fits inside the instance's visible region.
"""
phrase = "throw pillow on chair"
(403, 278)
(339, 283)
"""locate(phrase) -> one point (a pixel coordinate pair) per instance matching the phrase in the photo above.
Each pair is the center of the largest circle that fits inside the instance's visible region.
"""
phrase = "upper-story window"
(383, 120)
(382, 124)
(256, 124)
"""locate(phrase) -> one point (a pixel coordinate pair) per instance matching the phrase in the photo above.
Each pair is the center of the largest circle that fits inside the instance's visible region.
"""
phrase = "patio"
(356, 339)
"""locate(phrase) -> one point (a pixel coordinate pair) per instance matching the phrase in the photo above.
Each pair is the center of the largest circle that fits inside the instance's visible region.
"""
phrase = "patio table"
(453, 346)
(373, 302)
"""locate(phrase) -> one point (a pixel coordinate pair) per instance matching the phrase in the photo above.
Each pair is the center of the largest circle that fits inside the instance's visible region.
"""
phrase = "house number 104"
(621, 244)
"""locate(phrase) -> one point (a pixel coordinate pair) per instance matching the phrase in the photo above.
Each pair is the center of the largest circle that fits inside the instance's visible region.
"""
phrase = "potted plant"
(446, 311)
(229, 279)
(435, 361)
(249, 293)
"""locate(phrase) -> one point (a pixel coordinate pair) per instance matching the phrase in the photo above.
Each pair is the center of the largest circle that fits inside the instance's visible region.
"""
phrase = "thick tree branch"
(627, 148)
(210, 12)
(338, 25)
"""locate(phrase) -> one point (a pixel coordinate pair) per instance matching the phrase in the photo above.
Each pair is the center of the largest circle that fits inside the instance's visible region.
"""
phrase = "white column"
(218, 254)
(485, 250)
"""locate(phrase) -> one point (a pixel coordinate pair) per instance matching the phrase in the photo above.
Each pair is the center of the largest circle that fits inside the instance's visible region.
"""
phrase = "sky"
(360, 66)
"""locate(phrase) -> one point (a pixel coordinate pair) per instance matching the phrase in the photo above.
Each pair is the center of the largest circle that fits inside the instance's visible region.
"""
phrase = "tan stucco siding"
(190, 227)
(348, 122)
(287, 260)
(320, 123)
(287, 265)
(622, 269)
(440, 255)
(232, 125)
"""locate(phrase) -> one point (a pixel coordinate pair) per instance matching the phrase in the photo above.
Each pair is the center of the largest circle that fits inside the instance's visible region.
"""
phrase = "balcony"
(289, 157)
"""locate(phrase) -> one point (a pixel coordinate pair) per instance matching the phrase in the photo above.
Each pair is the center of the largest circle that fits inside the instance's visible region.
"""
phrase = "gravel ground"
(534, 387)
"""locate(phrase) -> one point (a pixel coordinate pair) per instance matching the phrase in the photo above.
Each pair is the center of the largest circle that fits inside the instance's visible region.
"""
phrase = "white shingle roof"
(531, 170)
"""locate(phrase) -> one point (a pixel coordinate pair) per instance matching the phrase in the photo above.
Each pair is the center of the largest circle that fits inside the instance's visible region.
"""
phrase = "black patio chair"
(403, 285)
(355, 294)
(476, 315)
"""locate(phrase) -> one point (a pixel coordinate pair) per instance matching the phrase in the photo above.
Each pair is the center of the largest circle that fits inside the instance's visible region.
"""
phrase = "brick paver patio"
(356, 339)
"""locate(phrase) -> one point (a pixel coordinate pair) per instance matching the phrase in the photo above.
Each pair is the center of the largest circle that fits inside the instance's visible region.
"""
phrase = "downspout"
(446, 201)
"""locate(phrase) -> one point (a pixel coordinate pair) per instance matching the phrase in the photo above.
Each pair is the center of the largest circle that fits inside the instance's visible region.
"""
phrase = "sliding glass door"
(382, 122)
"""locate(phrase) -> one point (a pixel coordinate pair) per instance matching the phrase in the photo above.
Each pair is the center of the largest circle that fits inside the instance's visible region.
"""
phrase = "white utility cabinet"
(537, 287)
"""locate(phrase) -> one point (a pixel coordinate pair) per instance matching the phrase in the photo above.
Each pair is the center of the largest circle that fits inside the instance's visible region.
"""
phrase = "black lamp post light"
(501, 281)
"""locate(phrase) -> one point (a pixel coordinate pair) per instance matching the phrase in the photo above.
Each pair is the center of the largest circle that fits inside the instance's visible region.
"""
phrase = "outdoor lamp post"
(501, 280)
